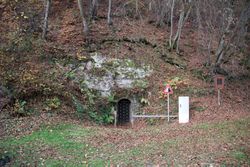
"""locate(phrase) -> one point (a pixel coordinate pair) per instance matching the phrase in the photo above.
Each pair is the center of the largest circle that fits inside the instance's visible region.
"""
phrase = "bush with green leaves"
(80, 108)
(100, 114)
(20, 107)
(53, 103)
(104, 116)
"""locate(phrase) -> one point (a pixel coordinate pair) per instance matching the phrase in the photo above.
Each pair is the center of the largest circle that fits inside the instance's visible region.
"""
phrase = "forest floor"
(53, 140)
(216, 135)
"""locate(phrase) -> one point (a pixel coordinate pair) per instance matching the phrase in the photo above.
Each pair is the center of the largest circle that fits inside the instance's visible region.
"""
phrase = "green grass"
(240, 156)
(57, 139)
(198, 73)
(75, 145)
(196, 106)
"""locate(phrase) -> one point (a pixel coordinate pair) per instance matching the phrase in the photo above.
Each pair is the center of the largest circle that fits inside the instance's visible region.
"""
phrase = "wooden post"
(219, 85)
(168, 107)
(219, 97)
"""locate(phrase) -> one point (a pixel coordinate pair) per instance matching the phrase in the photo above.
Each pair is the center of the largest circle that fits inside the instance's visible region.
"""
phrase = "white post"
(168, 107)
(132, 118)
(115, 115)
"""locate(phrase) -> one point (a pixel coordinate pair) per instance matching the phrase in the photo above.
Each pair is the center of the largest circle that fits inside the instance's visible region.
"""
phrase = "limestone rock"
(104, 74)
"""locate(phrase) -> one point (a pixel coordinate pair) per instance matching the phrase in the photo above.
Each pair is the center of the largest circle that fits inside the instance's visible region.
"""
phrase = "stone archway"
(123, 111)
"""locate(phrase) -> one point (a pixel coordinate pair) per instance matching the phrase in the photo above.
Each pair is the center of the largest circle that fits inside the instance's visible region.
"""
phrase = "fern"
(80, 109)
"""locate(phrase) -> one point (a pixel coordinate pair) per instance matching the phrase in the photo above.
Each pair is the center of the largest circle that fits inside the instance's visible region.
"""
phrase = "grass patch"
(196, 107)
(199, 108)
(198, 73)
(197, 92)
(74, 145)
(240, 156)
(51, 140)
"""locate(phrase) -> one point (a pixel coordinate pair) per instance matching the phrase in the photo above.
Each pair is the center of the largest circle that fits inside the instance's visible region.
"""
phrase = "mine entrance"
(123, 111)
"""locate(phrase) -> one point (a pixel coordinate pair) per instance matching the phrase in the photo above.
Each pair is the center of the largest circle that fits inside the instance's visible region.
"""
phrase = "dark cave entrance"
(123, 111)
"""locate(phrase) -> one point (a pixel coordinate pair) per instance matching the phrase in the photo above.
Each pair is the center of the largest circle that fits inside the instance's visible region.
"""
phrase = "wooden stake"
(219, 97)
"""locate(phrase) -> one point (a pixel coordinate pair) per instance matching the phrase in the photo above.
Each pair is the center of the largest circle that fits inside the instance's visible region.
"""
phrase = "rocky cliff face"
(104, 74)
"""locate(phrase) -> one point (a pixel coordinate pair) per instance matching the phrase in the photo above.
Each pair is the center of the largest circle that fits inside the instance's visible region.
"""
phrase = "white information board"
(183, 109)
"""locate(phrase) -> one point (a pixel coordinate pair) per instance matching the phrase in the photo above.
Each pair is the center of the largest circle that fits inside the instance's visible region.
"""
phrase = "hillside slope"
(29, 65)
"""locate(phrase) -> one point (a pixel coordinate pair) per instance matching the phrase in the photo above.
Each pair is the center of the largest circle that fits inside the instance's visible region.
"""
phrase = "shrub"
(80, 109)
(20, 108)
(53, 103)
(104, 116)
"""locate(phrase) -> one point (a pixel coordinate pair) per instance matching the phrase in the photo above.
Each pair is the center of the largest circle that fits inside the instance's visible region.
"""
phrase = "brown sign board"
(219, 81)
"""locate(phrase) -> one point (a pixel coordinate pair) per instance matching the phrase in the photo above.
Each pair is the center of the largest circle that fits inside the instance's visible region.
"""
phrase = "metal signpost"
(219, 84)
(168, 90)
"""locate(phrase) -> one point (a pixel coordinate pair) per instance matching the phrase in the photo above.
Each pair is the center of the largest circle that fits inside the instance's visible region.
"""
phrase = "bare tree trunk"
(171, 22)
(84, 22)
(46, 16)
(182, 20)
(219, 56)
(209, 51)
(198, 15)
(136, 7)
(177, 34)
(93, 9)
(219, 51)
(180, 29)
(150, 6)
(221, 48)
(109, 12)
